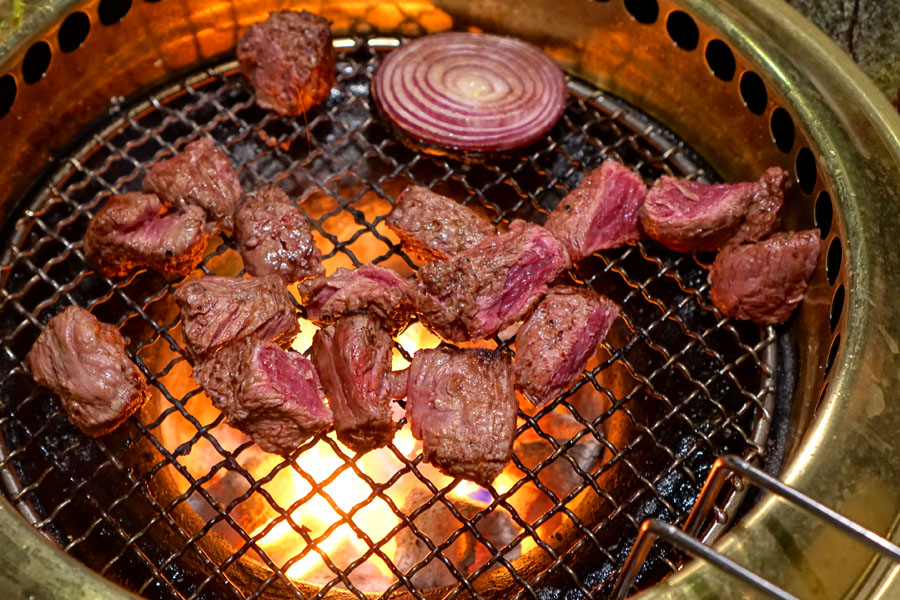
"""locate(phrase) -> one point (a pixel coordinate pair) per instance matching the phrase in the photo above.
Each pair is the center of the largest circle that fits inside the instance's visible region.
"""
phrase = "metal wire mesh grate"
(177, 505)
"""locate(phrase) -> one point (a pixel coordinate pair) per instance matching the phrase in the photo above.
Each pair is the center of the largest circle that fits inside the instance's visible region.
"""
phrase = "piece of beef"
(353, 359)
(555, 343)
(484, 289)
(289, 61)
(84, 362)
(275, 237)
(437, 523)
(434, 227)
(128, 233)
(376, 290)
(200, 175)
(462, 404)
(270, 394)
(218, 310)
(765, 281)
(764, 211)
(689, 216)
(398, 381)
(601, 213)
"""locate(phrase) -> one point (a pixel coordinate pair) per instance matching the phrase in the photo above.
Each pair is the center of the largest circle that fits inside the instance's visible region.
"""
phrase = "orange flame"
(344, 517)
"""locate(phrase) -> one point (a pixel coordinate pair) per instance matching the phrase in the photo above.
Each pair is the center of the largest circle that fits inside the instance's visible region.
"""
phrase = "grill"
(175, 504)
(675, 386)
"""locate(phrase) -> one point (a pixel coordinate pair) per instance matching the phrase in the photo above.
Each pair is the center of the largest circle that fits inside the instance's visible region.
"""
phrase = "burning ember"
(324, 508)
(328, 511)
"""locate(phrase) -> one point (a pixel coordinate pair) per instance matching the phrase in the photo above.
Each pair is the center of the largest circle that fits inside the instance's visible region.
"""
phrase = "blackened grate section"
(674, 386)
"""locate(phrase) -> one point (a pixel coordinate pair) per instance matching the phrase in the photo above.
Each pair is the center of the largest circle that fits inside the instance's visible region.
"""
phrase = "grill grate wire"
(699, 388)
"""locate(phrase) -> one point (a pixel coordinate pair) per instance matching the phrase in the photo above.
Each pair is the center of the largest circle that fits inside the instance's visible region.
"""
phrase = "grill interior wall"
(683, 386)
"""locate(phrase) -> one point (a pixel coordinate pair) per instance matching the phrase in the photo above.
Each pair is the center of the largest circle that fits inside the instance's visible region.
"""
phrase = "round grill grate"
(674, 386)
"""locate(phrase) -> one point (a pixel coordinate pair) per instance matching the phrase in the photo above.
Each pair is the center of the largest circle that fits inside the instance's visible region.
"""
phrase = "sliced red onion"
(470, 92)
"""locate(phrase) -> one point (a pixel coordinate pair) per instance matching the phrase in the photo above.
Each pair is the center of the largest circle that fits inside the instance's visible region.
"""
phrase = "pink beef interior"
(423, 385)
(690, 199)
(150, 230)
(591, 335)
(149, 221)
(153, 229)
(382, 276)
(275, 326)
(294, 375)
(618, 215)
(323, 295)
(527, 277)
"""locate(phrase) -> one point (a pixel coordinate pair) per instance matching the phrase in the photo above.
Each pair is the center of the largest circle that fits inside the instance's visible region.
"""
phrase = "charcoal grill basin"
(666, 58)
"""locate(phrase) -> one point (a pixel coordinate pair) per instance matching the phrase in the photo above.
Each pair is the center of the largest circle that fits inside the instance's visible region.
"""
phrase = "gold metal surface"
(30, 567)
(849, 457)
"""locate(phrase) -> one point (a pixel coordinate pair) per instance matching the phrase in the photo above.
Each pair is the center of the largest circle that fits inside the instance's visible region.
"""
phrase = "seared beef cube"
(270, 394)
(764, 282)
(601, 213)
(289, 61)
(555, 343)
(763, 215)
(275, 237)
(688, 216)
(84, 362)
(484, 289)
(433, 227)
(437, 523)
(379, 291)
(353, 359)
(397, 381)
(462, 404)
(128, 233)
(218, 310)
(198, 176)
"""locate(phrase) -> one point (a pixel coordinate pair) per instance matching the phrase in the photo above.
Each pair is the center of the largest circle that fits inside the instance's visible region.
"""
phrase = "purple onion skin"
(470, 93)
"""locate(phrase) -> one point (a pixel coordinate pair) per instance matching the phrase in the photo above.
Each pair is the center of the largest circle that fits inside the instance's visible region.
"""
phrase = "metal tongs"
(686, 540)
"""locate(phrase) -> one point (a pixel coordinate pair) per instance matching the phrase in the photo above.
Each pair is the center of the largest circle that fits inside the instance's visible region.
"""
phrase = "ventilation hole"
(753, 91)
(682, 30)
(782, 129)
(806, 170)
(7, 94)
(833, 264)
(824, 213)
(36, 61)
(832, 354)
(74, 31)
(643, 11)
(720, 60)
(113, 11)
(837, 307)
